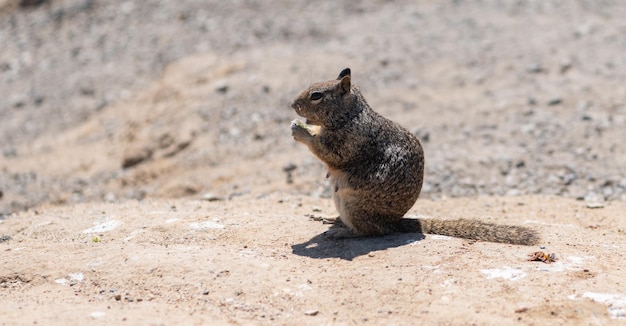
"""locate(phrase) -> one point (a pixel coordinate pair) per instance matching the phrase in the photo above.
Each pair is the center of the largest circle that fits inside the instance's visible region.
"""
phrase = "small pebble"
(135, 156)
(565, 66)
(595, 204)
(211, 197)
(555, 101)
(289, 167)
(535, 68)
(311, 312)
(593, 200)
(221, 87)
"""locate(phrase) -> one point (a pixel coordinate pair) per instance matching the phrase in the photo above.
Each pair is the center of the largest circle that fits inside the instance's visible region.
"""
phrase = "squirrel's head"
(326, 103)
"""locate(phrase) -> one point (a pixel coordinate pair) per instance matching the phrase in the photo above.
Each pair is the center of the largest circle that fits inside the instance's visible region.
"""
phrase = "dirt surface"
(263, 261)
(164, 126)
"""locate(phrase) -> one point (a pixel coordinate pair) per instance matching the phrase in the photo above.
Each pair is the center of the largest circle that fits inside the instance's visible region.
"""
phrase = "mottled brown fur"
(376, 167)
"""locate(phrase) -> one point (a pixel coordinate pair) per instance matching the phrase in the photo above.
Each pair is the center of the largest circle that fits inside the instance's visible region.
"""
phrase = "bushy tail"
(472, 229)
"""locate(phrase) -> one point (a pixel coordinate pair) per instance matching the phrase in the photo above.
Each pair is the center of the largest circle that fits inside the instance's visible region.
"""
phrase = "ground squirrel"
(376, 167)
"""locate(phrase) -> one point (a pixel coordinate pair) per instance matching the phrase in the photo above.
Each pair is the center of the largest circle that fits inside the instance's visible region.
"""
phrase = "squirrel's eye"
(316, 96)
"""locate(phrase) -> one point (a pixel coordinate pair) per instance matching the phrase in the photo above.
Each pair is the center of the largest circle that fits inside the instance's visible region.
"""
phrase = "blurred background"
(116, 100)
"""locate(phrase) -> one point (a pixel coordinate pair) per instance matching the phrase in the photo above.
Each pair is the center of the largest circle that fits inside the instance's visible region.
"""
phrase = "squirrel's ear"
(343, 73)
(344, 84)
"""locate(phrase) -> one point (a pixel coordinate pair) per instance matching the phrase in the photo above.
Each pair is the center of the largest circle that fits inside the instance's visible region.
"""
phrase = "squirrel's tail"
(472, 229)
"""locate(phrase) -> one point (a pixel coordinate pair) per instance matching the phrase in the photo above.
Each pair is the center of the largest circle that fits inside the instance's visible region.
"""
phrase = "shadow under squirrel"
(376, 168)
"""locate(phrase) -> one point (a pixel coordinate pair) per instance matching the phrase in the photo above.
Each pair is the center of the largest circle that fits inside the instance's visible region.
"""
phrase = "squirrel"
(376, 168)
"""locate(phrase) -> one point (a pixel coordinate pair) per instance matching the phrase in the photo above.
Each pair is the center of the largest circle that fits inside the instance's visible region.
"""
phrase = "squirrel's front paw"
(299, 130)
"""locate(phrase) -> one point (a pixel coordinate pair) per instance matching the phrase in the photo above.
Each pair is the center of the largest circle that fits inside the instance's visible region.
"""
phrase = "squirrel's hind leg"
(337, 232)
(363, 223)
(360, 228)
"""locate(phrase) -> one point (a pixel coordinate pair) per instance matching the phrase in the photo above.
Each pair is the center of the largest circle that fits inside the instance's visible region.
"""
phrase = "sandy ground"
(148, 175)
(265, 261)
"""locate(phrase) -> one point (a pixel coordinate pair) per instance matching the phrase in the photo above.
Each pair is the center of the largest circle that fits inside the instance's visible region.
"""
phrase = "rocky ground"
(132, 107)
